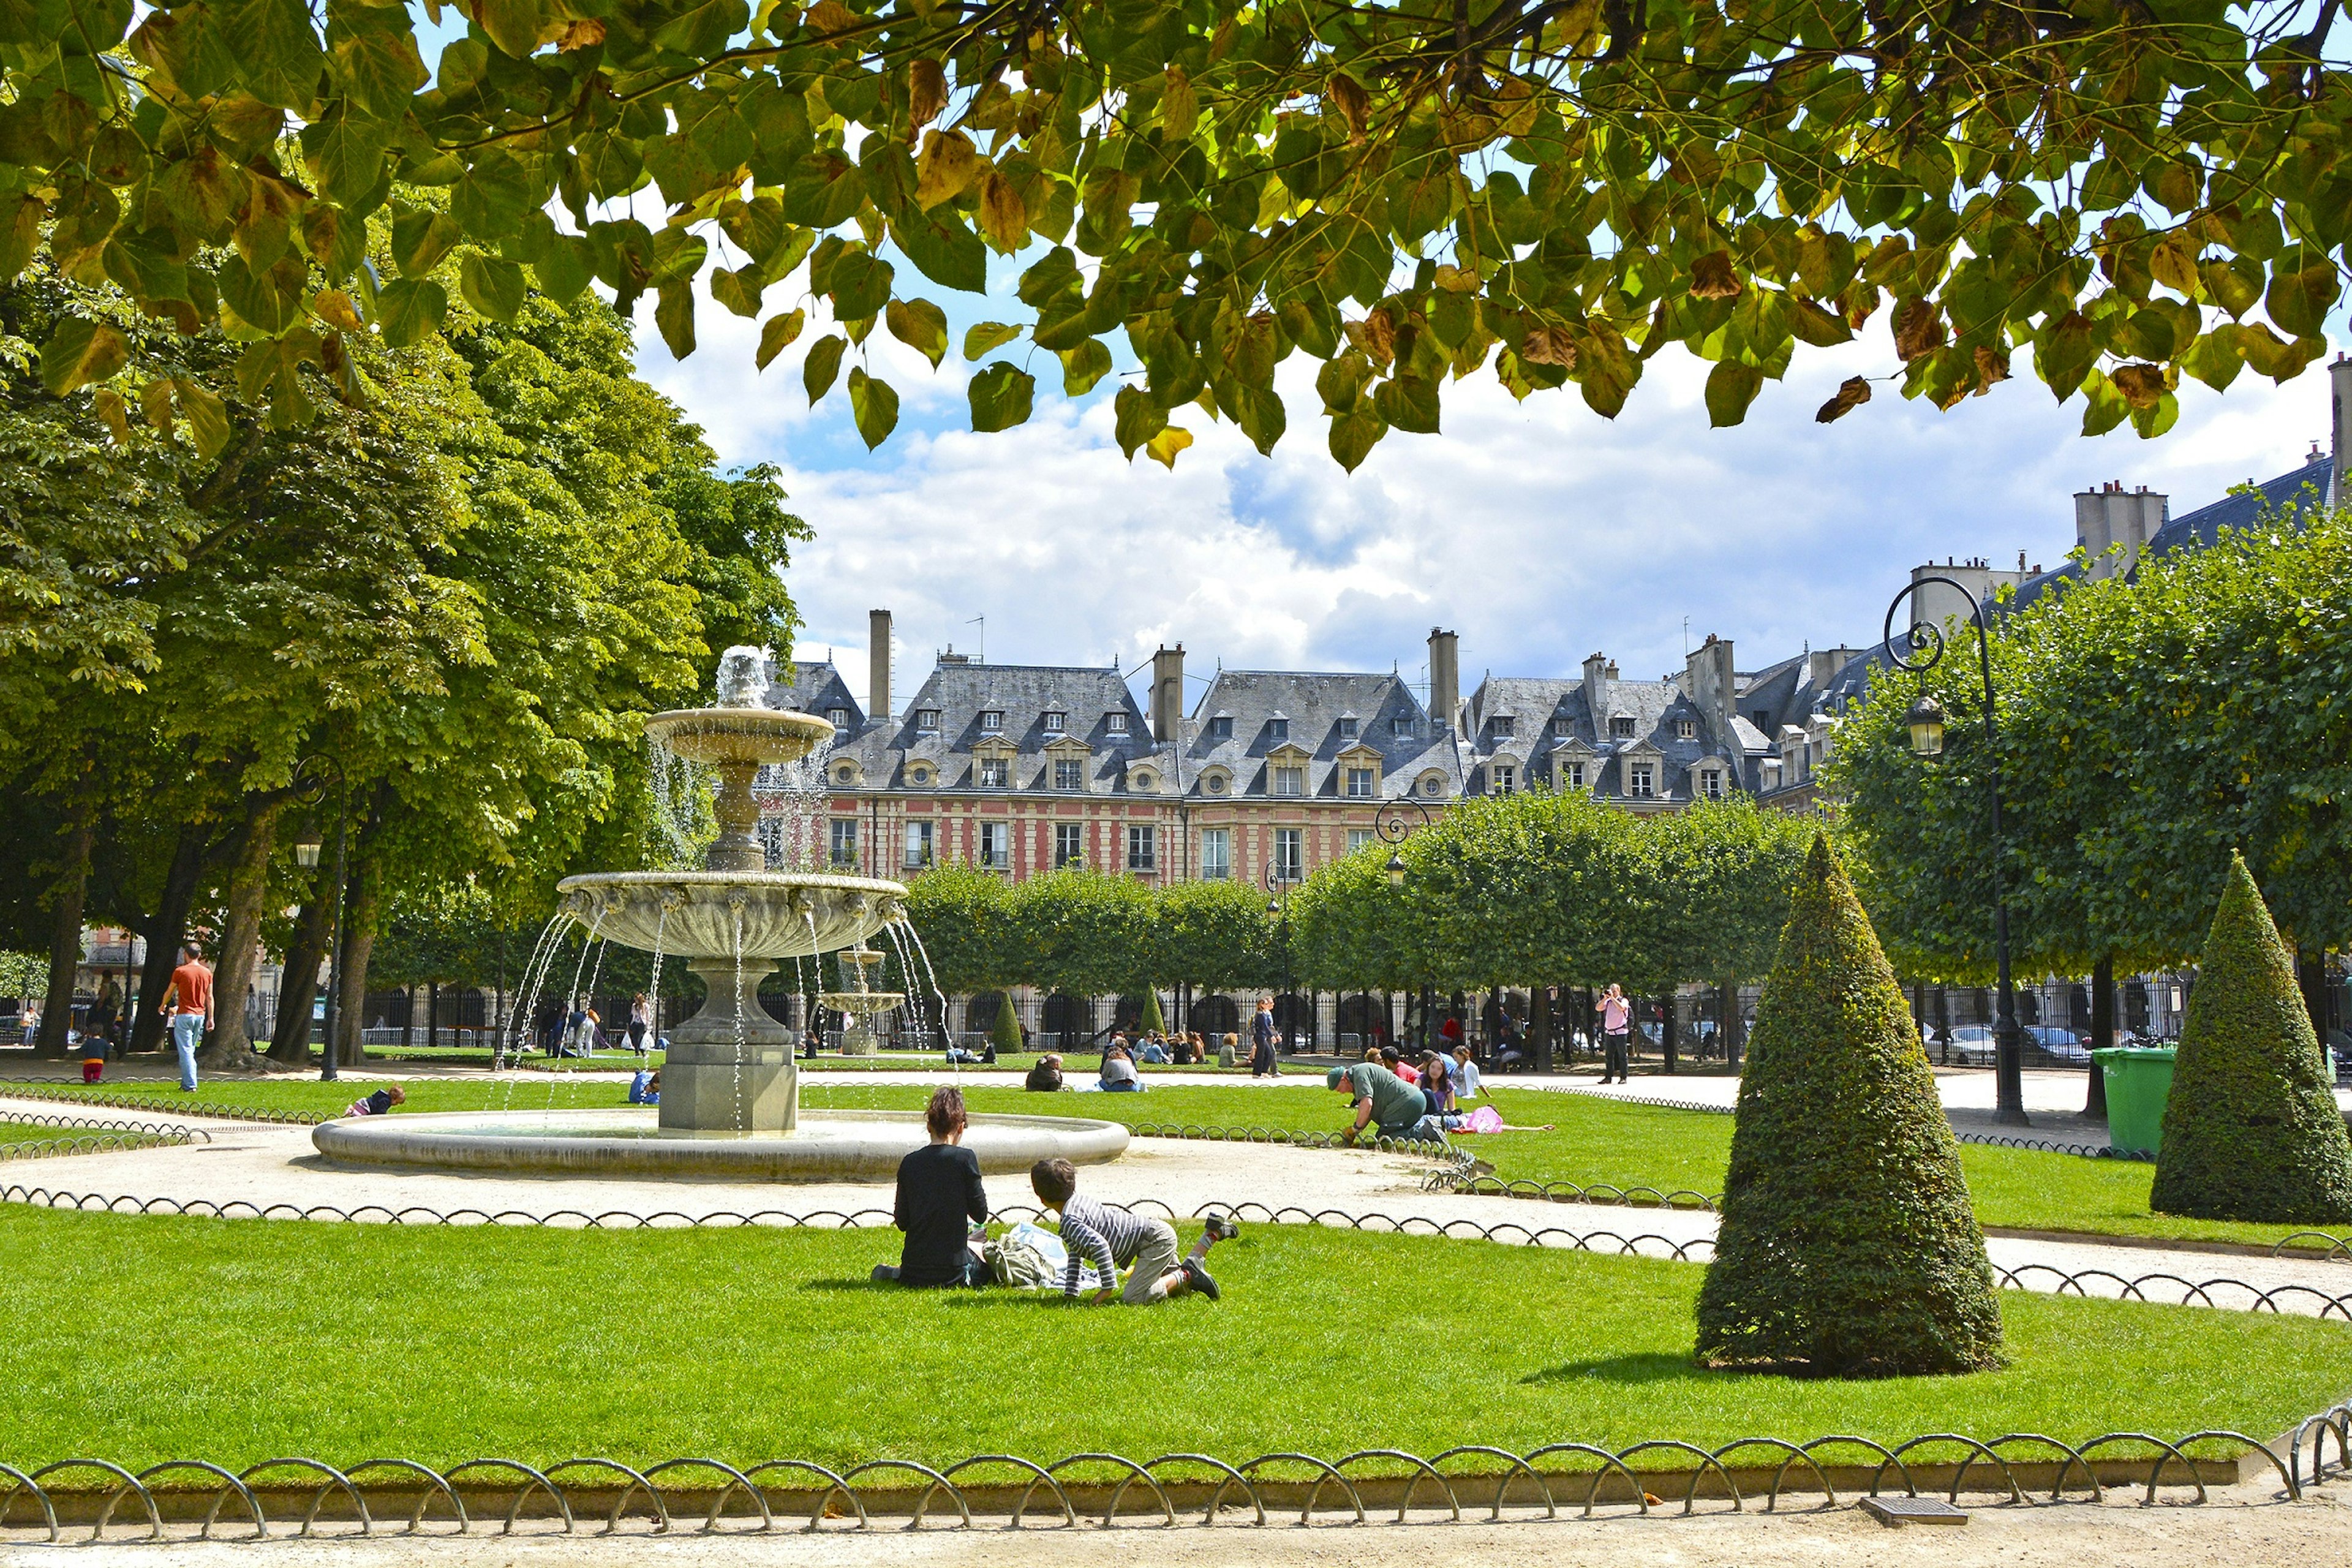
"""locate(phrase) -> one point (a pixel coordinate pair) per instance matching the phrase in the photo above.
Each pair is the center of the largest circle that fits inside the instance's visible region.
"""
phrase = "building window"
(846, 774)
(1069, 773)
(992, 721)
(1116, 723)
(1143, 783)
(1504, 724)
(1710, 783)
(844, 841)
(995, 854)
(1686, 729)
(1621, 726)
(995, 773)
(919, 845)
(1501, 778)
(1141, 848)
(1642, 781)
(918, 774)
(1216, 783)
(1400, 725)
(1277, 730)
(1347, 729)
(1069, 845)
(1433, 785)
(1052, 724)
(840, 716)
(926, 720)
(1575, 776)
(1359, 782)
(1290, 781)
(1288, 856)
(1216, 853)
(1221, 728)
(1357, 837)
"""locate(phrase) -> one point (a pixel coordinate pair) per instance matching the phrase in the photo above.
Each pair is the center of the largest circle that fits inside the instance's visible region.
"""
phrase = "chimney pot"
(878, 664)
(1444, 679)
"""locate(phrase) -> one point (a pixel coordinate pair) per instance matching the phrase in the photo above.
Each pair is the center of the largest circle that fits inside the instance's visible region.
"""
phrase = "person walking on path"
(939, 1199)
(1261, 1036)
(641, 1022)
(188, 1002)
(1616, 1023)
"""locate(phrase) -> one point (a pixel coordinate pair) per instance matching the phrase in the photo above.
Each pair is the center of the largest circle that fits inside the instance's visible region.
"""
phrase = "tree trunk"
(290, 1042)
(359, 943)
(164, 932)
(1667, 1044)
(1539, 1027)
(65, 940)
(1727, 1021)
(2103, 1035)
(248, 887)
(431, 1013)
(2310, 977)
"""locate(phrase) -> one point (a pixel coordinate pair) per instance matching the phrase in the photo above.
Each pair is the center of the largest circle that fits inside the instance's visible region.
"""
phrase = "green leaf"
(921, 326)
(704, 26)
(1258, 411)
(1730, 388)
(875, 405)
(562, 270)
(860, 285)
(980, 339)
(778, 334)
(20, 234)
(420, 240)
(494, 287)
(2107, 407)
(277, 47)
(513, 25)
(1409, 403)
(2302, 286)
(80, 352)
(375, 55)
(1084, 366)
(944, 247)
(823, 364)
(674, 314)
(270, 302)
(1353, 436)
(1001, 396)
(738, 289)
(492, 197)
(1138, 419)
(408, 309)
(346, 152)
(207, 415)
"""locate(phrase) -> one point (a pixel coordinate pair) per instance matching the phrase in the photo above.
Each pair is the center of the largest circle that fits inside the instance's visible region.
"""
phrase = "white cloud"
(1537, 530)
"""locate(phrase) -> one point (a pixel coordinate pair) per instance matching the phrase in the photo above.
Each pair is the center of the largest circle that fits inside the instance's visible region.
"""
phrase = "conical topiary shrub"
(1152, 1021)
(1005, 1033)
(2252, 1130)
(1848, 1246)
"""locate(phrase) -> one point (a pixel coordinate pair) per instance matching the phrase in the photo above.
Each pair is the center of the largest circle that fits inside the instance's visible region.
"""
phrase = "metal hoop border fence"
(1989, 1140)
(103, 1143)
(576, 1488)
(46, 1089)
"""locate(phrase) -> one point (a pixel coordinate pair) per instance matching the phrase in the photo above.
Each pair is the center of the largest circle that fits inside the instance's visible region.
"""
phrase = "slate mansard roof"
(1246, 714)
(1551, 716)
(1093, 704)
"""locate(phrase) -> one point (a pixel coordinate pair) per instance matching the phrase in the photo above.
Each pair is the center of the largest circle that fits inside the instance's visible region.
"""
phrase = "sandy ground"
(2245, 1528)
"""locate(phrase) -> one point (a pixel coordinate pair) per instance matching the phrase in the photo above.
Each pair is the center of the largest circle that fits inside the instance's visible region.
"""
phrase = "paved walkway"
(276, 1168)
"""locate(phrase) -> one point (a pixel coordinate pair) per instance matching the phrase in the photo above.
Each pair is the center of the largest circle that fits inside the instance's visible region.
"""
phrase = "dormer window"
(1621, 726)
(1216, 783)
(1277, 729)
(1710, 783)
(1143, 783)
(1221, 728)
(918, 774)
(992, 721)
(1503, 724)
(995, 773)
(1347, 729)
(1116, 723)
(926, 720)
(1069, 773)
(1052, 724)
(1290, 781)
(1501, 778)
(1642, 781)
(840, 716)
(1433, 785)
(1400, 725)
(1686, 729)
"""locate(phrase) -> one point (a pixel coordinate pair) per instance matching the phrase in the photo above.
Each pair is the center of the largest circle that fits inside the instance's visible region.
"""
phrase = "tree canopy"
(2150, 727)
(1555, 190)
(1085, 932)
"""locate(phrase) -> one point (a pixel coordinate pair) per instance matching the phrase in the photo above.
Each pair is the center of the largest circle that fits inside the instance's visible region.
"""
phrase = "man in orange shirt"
(188, 1001)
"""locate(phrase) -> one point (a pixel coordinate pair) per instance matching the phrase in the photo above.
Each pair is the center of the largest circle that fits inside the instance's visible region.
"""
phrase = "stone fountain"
(729, 1091)
(861, 1004)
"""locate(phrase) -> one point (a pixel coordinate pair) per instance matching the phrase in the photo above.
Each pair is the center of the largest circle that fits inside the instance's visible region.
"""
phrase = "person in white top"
(641, 1019)
(1616, 1023)
(1466, 1083)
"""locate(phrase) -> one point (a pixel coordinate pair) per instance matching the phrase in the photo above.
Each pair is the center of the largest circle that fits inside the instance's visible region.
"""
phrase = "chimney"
(878, 664)
(1444, 679)
(1167, 692)
(1596, 692)
(2340, 383)
(2115, 519)
(1707, 677)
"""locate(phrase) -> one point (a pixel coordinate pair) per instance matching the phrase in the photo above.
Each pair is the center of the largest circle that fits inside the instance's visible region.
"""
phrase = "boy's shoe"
(1223, 1229)
(1198, 1278)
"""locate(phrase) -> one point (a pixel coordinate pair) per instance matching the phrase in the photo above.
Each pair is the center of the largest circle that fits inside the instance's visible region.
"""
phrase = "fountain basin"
(738, 735)
(862, 1146)
(696, 913)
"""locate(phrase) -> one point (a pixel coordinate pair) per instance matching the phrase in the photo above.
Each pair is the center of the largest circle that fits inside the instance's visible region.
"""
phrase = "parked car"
(1973, 1045)
(2061, 1046)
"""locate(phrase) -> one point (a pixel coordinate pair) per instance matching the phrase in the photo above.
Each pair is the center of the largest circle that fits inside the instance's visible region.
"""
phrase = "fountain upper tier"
(738, 735)
(784, 914)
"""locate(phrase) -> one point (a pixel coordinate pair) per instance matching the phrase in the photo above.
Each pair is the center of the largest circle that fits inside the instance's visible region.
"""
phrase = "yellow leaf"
(581, 33)
(1164, 446)
(115, 412)
(1179, 107)
(947, 167)
(928, 89)
(1004, 216)
(829, 16)
(155, 402)
(334, 307)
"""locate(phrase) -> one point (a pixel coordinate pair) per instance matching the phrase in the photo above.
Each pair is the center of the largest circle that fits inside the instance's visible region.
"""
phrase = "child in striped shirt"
(380, 1103)
(1107, 1236)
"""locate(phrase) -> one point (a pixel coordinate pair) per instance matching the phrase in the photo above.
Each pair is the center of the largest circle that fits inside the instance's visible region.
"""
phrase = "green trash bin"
(2139, 1080)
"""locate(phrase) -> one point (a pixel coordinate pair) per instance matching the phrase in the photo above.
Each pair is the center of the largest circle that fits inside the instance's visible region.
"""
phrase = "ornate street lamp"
(1394, 827)
(1278, 882)
(1923, 651)
(310, 782)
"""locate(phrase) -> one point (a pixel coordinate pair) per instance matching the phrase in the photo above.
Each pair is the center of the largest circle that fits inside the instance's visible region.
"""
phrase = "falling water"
(941, 997)
(535, 978)
(596, 978)
(794, 811)
(596, 932)
(653, 1020)
(742, 1040)
(907, 968)
(818, 965)
(683, 822)
(808, 997)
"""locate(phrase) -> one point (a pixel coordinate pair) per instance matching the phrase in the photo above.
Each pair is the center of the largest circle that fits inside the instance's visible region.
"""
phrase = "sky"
(1537, 530)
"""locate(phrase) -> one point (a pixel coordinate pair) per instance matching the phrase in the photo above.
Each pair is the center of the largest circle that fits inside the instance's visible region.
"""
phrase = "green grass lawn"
(442, 1344)
(1593, 1141)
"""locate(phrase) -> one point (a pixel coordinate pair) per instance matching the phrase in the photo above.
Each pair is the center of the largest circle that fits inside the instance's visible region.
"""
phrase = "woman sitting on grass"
(940, 1201)
(1045, 1078)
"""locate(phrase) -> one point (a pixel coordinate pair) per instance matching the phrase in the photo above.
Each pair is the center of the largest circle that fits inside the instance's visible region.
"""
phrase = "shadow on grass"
(1648, 1366)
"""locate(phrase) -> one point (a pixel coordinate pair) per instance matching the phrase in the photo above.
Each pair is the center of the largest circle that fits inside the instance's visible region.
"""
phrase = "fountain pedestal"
(729, 1072)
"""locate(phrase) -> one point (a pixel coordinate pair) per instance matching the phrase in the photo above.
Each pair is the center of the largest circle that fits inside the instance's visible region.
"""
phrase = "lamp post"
(1924, 650)
(1278, 882)
(1394, 827)
(310, 784)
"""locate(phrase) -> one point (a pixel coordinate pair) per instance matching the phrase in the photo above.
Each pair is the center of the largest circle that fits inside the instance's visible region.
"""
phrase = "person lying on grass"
(1396, 1109)
(380, 1103)
(1109, 1237)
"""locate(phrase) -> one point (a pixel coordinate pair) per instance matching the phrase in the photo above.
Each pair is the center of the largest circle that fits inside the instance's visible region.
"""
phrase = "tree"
(1848, 1245)
(2252, 1130)
(1407, 192)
